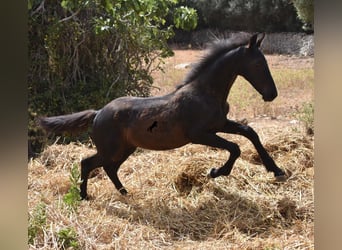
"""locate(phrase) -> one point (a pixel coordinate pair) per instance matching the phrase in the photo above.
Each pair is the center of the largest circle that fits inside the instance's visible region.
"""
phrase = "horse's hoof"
(84, 197)
(281, 178)
(213, 173)
(123, 191)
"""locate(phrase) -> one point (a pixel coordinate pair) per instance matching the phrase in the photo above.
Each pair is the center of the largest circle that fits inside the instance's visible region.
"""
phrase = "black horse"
(193, 113)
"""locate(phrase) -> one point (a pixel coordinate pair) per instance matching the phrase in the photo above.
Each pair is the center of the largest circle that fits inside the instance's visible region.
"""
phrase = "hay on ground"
(172, 204)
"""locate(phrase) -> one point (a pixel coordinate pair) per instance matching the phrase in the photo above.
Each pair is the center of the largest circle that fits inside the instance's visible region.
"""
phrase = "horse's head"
(254, 69)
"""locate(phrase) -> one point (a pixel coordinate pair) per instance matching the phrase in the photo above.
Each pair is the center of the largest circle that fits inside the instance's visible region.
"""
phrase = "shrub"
(73, 198)
(305, 11)
(262, 15)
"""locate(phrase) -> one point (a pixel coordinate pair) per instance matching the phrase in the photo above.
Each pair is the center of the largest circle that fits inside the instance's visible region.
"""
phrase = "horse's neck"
(218, 80)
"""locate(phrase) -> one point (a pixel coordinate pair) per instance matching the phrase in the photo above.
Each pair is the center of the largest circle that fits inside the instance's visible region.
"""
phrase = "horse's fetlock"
(123, 191)
(214, 173)
(83, 195)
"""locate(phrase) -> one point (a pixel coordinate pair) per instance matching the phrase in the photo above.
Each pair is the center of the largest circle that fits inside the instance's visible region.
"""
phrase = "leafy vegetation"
(262, 15)
(67, 239)
(72, 198)
(37, 222)
(184, 18)
(305, 11)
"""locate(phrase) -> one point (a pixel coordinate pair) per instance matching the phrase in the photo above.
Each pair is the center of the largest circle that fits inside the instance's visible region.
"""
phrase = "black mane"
(216, 49)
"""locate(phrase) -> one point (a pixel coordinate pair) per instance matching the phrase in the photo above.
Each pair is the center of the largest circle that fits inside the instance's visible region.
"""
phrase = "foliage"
(263, 15)
(67, 239)
(184, 18)
(37, 221)
(305, 11)
(72, 198)
(82, 54)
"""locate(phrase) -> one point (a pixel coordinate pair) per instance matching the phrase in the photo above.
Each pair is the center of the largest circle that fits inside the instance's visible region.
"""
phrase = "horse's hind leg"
(112, 168)
(213, 140)
(246, 131)
(112, 171)
(87, 165)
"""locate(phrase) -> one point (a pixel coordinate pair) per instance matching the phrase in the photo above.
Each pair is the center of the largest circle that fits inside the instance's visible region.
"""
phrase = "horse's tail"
(72, 123)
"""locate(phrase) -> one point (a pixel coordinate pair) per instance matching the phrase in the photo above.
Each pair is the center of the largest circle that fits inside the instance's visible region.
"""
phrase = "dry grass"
(173, 205)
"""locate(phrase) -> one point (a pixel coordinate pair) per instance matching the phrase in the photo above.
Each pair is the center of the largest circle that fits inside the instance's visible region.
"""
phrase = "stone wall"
(300, 44)
(289, 43)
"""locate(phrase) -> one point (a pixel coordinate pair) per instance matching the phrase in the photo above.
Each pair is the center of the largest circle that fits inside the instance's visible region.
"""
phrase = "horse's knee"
(83, 194)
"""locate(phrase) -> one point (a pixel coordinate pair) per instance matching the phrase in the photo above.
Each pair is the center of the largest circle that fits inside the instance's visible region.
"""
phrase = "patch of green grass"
(298, 78)
(67, 239)
(37, 222)
(245, 101)
(306, 115)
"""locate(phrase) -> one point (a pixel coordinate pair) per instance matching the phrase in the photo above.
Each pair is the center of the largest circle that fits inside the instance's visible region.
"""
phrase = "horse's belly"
(166, 145)
(157, 137)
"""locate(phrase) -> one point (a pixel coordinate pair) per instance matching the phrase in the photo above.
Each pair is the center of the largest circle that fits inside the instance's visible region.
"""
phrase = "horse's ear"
(258, 43)
(252, 41)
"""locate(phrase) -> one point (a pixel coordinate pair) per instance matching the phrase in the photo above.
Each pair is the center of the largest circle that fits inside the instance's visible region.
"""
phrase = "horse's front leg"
(232, 127)
(213, 140)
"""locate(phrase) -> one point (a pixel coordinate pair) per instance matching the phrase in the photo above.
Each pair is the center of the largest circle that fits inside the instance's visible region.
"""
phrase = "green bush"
(72, 198)
(305, 11)
(241, 15)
